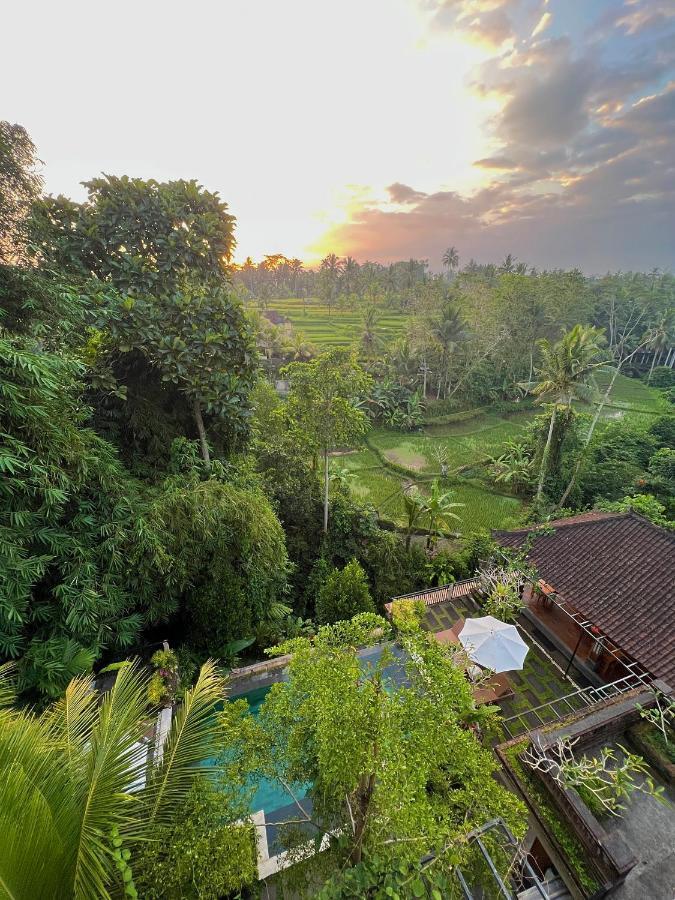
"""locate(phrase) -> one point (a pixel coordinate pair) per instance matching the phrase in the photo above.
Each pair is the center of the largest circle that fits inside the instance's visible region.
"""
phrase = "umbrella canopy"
(493, 644)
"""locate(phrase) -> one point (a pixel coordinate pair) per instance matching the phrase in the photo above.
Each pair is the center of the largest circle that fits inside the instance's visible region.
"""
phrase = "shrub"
(163, 685)
(201, 856)
(663, 377)
(344, 594)
(407, 615)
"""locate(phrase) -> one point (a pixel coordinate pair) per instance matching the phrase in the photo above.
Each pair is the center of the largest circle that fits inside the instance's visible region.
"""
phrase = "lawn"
(337, 328)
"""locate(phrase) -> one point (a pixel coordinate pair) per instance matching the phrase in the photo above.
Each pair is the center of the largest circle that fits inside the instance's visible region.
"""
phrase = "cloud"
(401, 193)
(502, 163)
(483, 21)
(549, 108)
(581, 168)
(542, 24)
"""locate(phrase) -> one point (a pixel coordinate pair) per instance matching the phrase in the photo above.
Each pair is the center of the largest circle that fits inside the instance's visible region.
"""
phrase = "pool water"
(270, 794)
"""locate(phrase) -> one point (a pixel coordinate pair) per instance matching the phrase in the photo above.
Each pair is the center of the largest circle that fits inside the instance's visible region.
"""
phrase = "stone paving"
(540, 680)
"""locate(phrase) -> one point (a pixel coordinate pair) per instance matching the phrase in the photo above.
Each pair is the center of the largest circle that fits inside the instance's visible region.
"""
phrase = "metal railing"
(561, 707)
(445, 592)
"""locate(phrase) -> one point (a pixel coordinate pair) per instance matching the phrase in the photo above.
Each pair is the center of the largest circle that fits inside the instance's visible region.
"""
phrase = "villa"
(605, 594)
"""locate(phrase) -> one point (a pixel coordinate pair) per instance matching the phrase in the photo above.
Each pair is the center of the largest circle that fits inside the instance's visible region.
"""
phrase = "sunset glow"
(310, 118)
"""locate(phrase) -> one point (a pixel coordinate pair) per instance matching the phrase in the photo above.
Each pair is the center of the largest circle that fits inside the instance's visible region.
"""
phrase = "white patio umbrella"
(493, 644)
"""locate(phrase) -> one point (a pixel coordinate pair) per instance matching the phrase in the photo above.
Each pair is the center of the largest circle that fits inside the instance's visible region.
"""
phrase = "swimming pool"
(269, 794)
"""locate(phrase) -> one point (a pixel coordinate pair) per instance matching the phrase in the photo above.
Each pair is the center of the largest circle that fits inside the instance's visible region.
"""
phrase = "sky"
(380, 129)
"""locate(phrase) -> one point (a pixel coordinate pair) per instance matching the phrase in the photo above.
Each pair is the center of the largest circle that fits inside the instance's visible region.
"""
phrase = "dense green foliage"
(201, 855)
(397, 771)
(344, 594)
(81, 790)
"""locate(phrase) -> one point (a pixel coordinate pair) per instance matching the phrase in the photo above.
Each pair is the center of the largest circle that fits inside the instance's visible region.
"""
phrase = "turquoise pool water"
(269, 794)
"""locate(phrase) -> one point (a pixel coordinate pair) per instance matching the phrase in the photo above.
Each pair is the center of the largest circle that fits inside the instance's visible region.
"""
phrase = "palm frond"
(116, 760)
(192, 739)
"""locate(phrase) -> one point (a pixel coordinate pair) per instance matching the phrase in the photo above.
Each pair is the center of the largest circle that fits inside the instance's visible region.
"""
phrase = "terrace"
(541, 685)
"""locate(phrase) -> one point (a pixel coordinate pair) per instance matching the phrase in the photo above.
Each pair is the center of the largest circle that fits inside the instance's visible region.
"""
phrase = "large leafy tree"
(563, 376)
(322, 405)
(77, 796)
(397, 773)
(20, 185)
(159, 253)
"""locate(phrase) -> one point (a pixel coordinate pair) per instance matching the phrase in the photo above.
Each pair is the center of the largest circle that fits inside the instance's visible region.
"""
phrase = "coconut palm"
(565, 370)
(301, 348)
(371, 340)
(662, 338)
(451, 259)
(76, 781)
(438, 508)
(449, 331)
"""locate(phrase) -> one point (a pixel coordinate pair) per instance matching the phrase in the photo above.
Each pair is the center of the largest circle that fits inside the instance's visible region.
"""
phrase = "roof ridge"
(589, 517)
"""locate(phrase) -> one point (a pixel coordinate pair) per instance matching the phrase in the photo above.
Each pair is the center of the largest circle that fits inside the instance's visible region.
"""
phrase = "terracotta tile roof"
(617, 570)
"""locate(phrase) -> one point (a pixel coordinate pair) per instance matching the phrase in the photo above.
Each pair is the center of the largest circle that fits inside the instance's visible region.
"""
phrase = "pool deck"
(541, 678)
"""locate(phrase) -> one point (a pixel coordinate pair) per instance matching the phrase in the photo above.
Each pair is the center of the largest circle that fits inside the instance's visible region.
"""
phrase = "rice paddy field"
(337, 327)
(466, 444)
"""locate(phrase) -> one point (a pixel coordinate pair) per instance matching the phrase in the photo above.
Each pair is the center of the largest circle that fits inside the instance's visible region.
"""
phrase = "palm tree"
(661, 340)
(565, 370)
(414, 507)
(301, 348)
(370, 337)
(350, 272)
(76, 778)
(509, 264)
(450, 259)
(449, 330)
(438, 508)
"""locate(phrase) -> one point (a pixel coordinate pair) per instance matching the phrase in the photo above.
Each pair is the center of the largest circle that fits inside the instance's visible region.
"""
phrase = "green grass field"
(467, 443)
(337, 328)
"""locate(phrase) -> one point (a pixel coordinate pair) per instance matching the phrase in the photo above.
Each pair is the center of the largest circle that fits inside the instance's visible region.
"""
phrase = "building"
(604, 594)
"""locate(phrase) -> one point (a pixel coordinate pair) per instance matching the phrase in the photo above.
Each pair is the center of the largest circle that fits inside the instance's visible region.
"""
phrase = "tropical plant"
(450, 259)
(407, 615)
(438, 508)
(564, 373)
(344, 594)
(322, 404)
(78, 781)
(605, 780)
(414, 508)
(515, 466)
(398, 775)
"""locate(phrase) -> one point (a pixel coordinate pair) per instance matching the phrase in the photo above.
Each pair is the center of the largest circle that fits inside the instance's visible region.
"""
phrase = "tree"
(370, 338)
(330, 272)
(451, 259)
(449, 330)
(223, 563)
(77, 787)
(398, 777)
(344, 594)
(438, 508)
(20, 186)
(197, 339)
(564, 373)
(322, 404)
(414, 507)
(159, 255)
